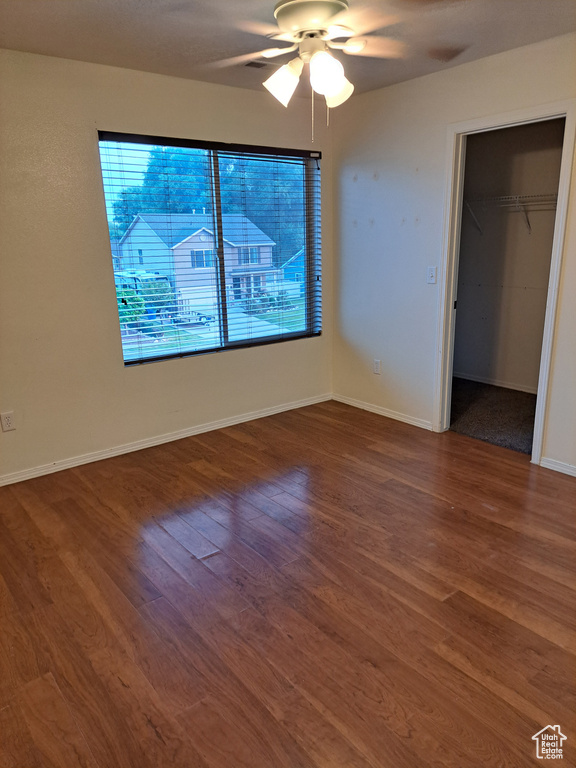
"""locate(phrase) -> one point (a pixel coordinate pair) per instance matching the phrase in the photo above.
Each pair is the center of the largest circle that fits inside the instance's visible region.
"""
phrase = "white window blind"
(214, 246)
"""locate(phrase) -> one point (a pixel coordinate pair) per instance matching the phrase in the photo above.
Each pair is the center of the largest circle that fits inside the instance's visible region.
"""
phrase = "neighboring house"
(295, 267)
(115, 248)
(182, 247)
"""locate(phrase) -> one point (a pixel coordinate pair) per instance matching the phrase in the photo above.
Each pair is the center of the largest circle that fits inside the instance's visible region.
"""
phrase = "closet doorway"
(505, 220)
(510, 192)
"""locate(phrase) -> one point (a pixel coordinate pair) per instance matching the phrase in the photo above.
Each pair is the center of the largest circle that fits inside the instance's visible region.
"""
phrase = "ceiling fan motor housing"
(297, 16)
(309, 46)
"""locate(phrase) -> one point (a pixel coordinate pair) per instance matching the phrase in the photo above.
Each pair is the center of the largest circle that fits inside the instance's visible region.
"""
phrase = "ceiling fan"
(315, 28)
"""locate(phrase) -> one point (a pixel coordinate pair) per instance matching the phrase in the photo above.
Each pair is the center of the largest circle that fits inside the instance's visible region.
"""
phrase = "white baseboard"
(558, 466)
(87, 458)
(383, 411)
(496, 383)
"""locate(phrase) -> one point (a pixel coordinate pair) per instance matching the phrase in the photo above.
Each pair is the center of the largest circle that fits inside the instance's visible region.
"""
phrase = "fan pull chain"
(327, 116)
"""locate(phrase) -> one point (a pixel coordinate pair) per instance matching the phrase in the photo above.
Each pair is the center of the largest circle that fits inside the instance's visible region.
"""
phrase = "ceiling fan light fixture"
(346, 90)
(326, 74)
(283, 82)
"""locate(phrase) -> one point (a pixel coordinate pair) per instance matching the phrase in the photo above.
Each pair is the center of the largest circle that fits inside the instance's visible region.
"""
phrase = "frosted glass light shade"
(283, 82)
(346, 90)
(326, 73)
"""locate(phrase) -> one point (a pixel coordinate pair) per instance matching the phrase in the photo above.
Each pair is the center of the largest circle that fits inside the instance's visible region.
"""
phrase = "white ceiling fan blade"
(338, 32)
(270, 53)
(424, 2)
(263, 29)
(258, 28)
(364, 19)
(353, 45)
(267, 53)
(376, 48)
(286, 37)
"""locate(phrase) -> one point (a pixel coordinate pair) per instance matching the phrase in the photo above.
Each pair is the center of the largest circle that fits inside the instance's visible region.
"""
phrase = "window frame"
(249, 255)
(312, 284)
(196, 252)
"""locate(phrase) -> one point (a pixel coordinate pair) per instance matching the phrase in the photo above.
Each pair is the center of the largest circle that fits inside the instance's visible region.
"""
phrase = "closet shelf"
(513, 201)
(516, 203)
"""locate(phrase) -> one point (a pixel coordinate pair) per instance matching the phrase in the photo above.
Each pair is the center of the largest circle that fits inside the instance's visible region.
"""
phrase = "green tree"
(158, 296)
(131, 307)
(178, 180)
(270, 195)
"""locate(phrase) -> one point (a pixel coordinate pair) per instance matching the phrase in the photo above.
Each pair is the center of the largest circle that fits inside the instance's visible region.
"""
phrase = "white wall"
(61, 368)
(60, 353)
(504, 266)
(390, 149)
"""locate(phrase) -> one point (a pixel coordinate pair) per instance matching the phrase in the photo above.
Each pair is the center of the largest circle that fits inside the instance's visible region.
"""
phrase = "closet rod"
(512, 201)
(520, 203)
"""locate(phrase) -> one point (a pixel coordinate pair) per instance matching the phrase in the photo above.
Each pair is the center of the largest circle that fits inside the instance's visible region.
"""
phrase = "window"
(200, 259)
(251, 205)
(249, 255)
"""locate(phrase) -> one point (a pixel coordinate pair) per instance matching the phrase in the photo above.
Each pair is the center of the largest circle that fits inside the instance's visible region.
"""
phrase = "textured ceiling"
(181, 37)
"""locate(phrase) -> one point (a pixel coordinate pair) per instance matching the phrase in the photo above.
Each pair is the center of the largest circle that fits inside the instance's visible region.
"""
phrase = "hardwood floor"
(318, 589)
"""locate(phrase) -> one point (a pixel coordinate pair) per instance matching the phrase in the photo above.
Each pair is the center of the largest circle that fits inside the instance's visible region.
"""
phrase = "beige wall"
(504, 266)
(61, 359)
(390, 152)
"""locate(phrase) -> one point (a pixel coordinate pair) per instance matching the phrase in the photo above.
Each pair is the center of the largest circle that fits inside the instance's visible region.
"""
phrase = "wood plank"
(185, 535)
(52, 725)
(19, 661)
(113, 554)
(176, 683)
(95, 709)
(162, 743)
(17, 748)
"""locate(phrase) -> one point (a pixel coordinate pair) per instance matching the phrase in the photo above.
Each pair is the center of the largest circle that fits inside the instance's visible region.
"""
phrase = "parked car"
(194, 318)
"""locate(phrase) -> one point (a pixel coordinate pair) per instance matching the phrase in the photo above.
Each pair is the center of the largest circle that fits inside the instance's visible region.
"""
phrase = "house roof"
(292, 259)
(173, 228)
(115, 246)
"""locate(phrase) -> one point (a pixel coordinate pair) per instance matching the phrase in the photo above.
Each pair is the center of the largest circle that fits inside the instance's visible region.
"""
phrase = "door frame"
(456, 156)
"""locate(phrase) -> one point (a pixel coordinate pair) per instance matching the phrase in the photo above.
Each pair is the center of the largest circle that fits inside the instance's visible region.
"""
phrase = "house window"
(201, 259)
(254, 205)
(249, 255)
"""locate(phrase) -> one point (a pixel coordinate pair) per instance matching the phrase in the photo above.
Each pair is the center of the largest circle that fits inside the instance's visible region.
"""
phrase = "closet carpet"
(496, 415)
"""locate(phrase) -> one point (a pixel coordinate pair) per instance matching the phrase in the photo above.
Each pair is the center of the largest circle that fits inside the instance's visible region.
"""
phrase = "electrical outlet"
(377, 366)
(431, 275)
(7, 419)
